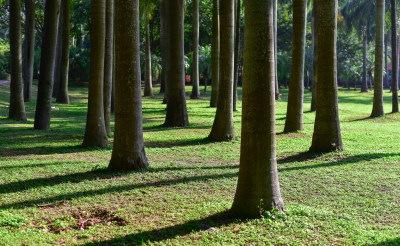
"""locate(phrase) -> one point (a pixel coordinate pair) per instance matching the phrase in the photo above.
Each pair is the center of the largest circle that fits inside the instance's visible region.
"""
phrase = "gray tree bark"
(29, 48)
(148, 86)
(195, 80)
(62, 95)
(315, 58)
(395, 96)
(237, 58)
(215, 50)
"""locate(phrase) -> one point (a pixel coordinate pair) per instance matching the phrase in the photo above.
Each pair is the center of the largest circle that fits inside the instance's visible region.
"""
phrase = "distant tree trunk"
(294, 114)
(62, 95)
(386, 65)
(29, 48)
(17, 106)
(95, 134)
(176, 102)
(237, 48)
(128, 149)
(377, 109)
(166, 50)
(162, 48)
(223, 129)
(57, 65)
(108, 64)
(148, 86)
(215, 49)
(327, 136)
(315, 58)
(395, 96)
(113, 80)
(275, 9)
(195, 78)
(364, 85)
(258, 186)
(47, 59)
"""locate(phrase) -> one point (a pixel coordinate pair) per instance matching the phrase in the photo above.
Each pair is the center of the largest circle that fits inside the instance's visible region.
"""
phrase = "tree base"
(128, 164)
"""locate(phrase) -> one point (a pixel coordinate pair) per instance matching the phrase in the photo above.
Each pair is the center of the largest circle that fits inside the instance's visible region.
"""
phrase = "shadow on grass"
(20, 186)
(395, 241)
(147, 237)
(177, 143)
(44, 150)
(158, 128)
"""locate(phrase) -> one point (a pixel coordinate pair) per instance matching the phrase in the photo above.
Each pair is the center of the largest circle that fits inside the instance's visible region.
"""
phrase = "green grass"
(49, 183)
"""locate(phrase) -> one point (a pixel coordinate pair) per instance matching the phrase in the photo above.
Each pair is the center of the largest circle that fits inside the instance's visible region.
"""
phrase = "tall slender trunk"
(95, 133)
(215, 49)
(47, 59)
(166, 50)
(29, 48)
(327, 136)
(62, 95)
(364, 85)
(275, 9)
(294, 114)
(315, 57)
(176, 102)
(377, 109)
(108, 63)
(258, 186)
(237, 58)
(162, 48)
(386, 62)
(57, 65)
(128, 149)
(148, 86)
(195, 77)
(222, 129)
(395, 65)
(17, 106)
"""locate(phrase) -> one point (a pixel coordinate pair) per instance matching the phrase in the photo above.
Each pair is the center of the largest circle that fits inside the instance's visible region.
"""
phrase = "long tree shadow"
(206, 224)
(395, 241)
(159, 128)
(177, 143)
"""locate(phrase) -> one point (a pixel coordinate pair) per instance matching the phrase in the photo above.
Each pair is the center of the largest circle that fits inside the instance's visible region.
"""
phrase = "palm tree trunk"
(315, 58)
(327, 136)
(386, 62)
(395, 65)
(29, 48)
(377, 109)
(17, 106)
(148, 86)
(57, 65)
(215, 49)
(95, 134)
(364, 85)
(258, 186)
(275, 9)
(222, 129)
(62, 96)
(166, 49)
(128, 149)
(294, 115)
(162, 48)
(195, 76)
(47, 59)
(237, 48)
(108, 63)
(176, 102)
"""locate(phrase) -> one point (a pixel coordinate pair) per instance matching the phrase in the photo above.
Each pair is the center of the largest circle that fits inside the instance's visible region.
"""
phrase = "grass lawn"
(49, 184)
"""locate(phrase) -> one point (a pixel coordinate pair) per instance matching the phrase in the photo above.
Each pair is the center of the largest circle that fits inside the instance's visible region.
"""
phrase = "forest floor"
(53, 191)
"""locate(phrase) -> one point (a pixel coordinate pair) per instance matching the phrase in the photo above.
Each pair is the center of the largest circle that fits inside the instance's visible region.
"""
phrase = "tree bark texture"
(315, 58)
(215, 49)
(47, 60)
(258, 186)
(275, 9)
(128, 149)
(237, 58)
(148, 86)
(176, 101)
(166, 50)
(364, 85)
(195, 76)
(223, 129)
(29, 48)
(17, 106)
(377, 109)
(95, 134)
(108, 63)
(395, 95)
(57, 65)
(294, 113)
(162, 48)
(327, 136)
(62, 95)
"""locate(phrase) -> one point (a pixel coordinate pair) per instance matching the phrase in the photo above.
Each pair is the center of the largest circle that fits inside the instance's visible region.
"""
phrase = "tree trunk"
(377, 109)
(128, 149)
(275, 9)
(215, 49)
(237, 48)
(395, 65)
(222, 129)
(62, 95)
(258, 186)
(166, 50)
(162, 48)
(29, 48)
(176, 101)
(95, 134)
(364, 85)
(315, 58)
(57, 65)
(47, 59)
(327, 136)
(386, 65)
(294, 114)
(17, 106)
(108, 64)
(195, 77)
(148, 86)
